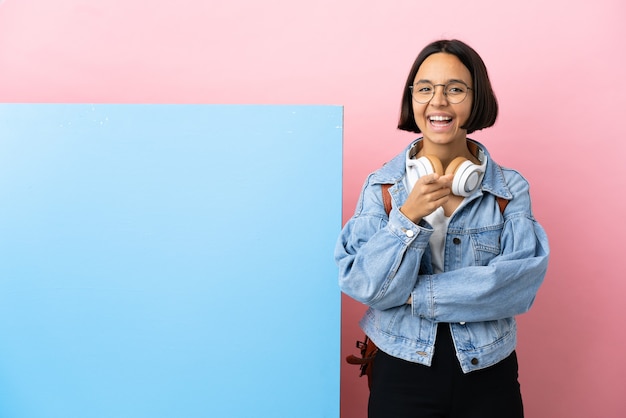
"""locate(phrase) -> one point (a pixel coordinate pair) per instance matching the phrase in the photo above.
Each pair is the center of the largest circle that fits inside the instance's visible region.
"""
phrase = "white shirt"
(439, 221)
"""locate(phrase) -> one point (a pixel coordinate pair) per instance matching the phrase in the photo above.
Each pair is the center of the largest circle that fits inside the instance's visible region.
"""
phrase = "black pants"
(402, 389)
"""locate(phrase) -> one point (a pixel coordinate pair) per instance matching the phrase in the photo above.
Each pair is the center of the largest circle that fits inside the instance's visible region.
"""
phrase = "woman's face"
(439, 120)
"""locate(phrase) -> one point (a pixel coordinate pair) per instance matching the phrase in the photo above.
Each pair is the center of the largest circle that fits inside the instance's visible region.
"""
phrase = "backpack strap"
(502, 202)
(386, 197)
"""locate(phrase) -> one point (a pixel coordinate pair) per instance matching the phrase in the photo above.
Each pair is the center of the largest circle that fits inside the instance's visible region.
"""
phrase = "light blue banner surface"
(169, 261)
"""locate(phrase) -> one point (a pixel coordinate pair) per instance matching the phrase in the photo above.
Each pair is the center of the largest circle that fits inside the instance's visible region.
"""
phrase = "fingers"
(432, 187)
(436, 179)
(429, 193)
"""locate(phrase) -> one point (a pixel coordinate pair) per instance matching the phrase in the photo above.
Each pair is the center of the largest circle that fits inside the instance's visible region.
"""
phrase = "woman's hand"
(429, 193)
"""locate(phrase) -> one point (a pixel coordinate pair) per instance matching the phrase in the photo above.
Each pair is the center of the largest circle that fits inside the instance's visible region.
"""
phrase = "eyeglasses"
(455, 91)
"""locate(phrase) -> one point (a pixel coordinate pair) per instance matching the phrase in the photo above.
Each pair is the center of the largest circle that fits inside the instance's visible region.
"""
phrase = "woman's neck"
(447, 152)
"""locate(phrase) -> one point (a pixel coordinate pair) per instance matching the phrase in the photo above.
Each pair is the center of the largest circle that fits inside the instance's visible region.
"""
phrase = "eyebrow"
(452, 80)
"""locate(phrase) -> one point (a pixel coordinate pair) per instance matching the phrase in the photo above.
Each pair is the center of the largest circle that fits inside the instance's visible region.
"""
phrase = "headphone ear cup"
(429, 164)
(423, 166)
(454, 165)
(467, 176)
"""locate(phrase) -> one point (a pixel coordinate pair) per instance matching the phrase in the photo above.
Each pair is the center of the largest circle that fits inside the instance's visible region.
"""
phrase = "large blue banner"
(169, 261)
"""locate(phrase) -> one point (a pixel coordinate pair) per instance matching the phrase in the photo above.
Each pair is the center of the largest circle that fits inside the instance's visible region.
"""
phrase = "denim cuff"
(407, 231)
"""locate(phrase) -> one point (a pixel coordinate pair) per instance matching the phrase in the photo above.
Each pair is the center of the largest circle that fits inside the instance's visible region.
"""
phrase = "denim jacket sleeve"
(506, 286)
(379, 256)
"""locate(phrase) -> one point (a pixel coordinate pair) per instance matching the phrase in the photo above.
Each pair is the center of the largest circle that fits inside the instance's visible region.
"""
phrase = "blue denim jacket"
(493, 266)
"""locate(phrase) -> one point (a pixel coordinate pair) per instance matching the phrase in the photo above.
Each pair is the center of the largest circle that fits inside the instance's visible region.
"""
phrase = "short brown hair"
(485, 105)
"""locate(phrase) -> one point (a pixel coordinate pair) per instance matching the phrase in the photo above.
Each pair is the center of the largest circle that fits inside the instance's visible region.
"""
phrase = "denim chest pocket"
(486, 244)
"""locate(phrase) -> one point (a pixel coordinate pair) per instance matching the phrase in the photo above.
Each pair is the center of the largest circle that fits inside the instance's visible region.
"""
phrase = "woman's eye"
(456, 89)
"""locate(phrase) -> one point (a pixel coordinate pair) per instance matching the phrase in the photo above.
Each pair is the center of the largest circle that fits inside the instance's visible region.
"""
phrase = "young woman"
(447, 270)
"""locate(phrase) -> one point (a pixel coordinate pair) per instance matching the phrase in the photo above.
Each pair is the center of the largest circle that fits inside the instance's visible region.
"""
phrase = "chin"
(444, 138)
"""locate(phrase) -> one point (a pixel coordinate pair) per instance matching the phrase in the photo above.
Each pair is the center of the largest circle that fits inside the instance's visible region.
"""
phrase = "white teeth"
(440, 118)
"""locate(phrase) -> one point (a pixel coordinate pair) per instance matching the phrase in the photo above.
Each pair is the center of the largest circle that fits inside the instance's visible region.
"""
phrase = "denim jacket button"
(474, 361)
(409, 233)
(456, 241)
(461, 323)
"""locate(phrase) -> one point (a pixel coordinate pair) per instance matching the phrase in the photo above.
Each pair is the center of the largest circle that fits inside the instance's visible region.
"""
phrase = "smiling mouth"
(440, 120)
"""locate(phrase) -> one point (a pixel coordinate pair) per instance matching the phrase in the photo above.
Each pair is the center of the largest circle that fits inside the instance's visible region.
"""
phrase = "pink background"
(558, 69)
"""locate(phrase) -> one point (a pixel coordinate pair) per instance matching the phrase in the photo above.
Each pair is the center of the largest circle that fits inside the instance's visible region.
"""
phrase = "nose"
(439, 97)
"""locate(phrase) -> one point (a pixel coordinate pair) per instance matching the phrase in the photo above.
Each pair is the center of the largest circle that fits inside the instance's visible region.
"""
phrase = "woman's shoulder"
(514, 179)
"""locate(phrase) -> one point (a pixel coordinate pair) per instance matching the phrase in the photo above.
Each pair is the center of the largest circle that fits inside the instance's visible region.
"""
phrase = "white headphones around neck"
(467, 175)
